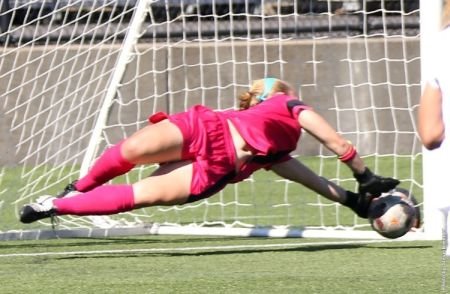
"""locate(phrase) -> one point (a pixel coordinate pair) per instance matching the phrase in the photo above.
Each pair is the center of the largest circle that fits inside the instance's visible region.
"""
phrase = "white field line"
(204, 248)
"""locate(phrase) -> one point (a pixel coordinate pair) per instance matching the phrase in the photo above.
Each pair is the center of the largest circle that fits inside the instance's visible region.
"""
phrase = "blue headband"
(268, 85)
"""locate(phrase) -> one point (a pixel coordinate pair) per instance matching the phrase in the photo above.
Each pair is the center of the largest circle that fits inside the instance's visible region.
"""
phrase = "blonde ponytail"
(246, 100)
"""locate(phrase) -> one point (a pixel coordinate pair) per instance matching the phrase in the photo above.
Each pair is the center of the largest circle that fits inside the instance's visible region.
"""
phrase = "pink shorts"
(208, 143)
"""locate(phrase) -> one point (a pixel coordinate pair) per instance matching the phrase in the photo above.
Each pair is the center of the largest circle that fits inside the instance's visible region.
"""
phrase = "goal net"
(78, 76)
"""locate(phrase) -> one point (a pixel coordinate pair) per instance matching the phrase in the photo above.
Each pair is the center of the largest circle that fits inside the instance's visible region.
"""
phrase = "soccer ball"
(408, 197)
(394, 214)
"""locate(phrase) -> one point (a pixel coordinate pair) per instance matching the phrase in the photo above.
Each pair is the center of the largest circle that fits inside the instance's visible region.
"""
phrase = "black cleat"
(67, 190)
(42, 208)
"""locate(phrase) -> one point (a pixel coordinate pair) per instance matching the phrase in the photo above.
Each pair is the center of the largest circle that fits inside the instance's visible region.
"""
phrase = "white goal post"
(78, 76)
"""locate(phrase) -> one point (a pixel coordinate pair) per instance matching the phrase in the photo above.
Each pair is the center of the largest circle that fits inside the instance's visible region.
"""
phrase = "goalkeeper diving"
(201, 150)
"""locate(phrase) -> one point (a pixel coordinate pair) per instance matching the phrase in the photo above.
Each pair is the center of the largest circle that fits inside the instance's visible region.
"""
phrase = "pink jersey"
(270, 128)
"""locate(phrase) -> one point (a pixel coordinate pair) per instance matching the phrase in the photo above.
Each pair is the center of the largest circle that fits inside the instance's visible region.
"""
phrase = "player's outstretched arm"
(297, 172)
(370, 184)
(320, 129)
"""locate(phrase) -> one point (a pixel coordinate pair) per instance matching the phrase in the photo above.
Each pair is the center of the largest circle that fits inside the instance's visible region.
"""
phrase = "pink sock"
(106, 199)
(110, 165)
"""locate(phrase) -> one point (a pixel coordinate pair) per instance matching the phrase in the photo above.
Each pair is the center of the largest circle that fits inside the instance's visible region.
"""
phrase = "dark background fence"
(22, 21)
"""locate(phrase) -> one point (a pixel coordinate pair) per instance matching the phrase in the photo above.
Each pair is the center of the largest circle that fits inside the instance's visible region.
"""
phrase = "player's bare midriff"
(242, 150)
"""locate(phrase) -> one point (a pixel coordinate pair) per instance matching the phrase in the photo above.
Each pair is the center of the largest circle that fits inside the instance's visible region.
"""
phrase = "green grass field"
(163, 264)
(186, 264)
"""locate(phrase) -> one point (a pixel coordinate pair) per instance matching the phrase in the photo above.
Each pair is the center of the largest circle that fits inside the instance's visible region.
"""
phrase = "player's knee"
(132, 149)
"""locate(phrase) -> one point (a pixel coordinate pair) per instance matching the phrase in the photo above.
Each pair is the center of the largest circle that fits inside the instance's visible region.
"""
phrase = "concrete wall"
(362, 78)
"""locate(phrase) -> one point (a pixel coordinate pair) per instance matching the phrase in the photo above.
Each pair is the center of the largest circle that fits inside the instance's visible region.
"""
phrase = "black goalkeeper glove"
(358, 203)
(370, 186)
(373, 185)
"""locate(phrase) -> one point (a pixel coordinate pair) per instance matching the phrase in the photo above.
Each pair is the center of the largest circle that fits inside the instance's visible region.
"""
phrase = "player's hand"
(372, 185)
(358, 203)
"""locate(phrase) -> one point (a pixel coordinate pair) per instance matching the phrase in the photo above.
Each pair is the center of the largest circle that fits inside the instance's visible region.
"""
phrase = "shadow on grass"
(198, 252)
(92, 242)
